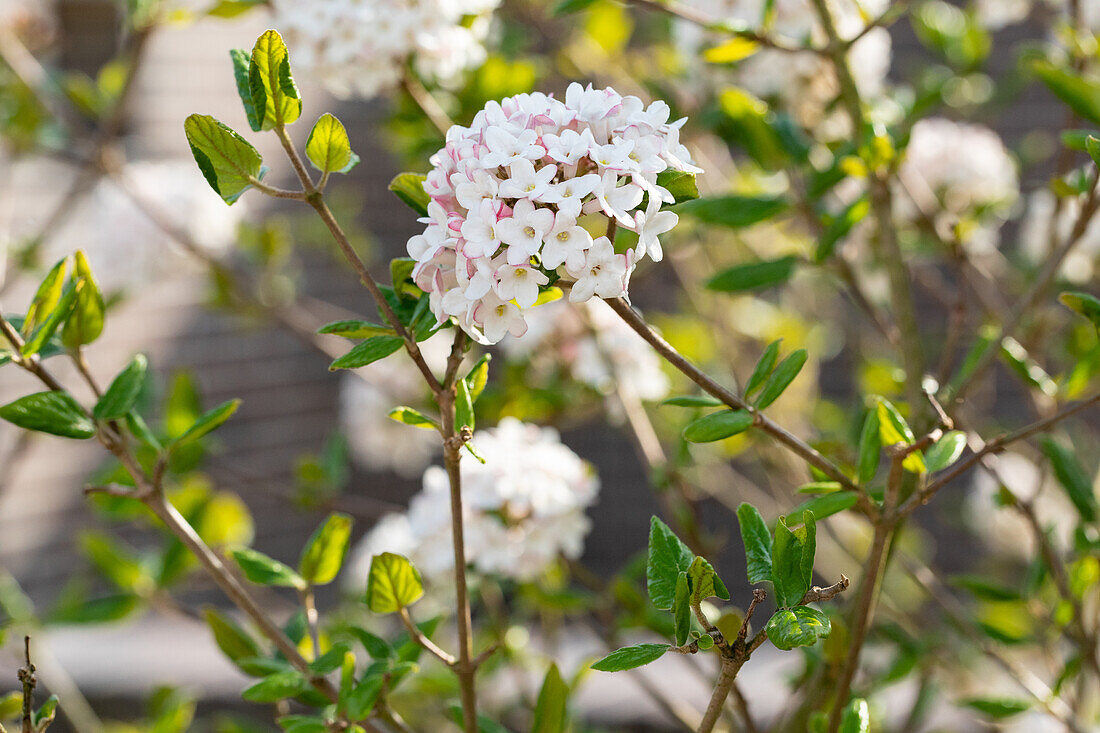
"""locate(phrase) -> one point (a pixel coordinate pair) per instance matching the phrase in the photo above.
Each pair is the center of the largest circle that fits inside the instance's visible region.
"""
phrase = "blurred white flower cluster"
(1041, 233)
(803, 84)
(956, 172)
(509, 192)
(124, 247)
(997, 14)
(367, 395)
(362, 47)
(523, 508)
(595, 346)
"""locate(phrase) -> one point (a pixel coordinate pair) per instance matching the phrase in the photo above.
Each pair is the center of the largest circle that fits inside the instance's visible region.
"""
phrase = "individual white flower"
(363, 48)
(523, 508)
(604, 273)
(507, 193)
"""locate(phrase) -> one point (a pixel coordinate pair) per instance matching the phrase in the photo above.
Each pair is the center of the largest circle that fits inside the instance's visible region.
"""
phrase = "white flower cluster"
(803, 84)
(955, 171)
(595, 346)
(522, 508)
(361, 47)
(1038, 227)
(509, 192)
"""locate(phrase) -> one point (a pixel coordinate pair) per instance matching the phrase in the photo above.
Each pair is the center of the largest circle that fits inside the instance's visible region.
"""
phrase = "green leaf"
(678, 183)
(753, 276)
(1092, 146)
(758, 543)
(363, 698)
(263, 570)
(378, 648)
(945, 451)
(277, 687)
(870, 447)
(1083, 304)
(326, 550)
(827, 505)
(274, 94)
(998, 708)
(764, 367)
(571, 6)
(366, 352)
(478, 377)
(856, 718)
(328, 146)
(241, 59)
(331, 660)
(123, 392)
(893, 430)
(692, 401)
(731, 51)
(681, 609)
(225, 158)
(42, 717)
(550, 708)
(115, 561)
(207, 423)
(409, 187)
(46, 297)
(97, 610)
(409, 416)
(630, 657)
(464, 406)
(781, 378)
(393, 583)
(1072, 477)
(303, 724)
(839, 227)
(705, 582)
(56, 317)
(85, 323)
(56, 413)
(718, 425)
(234, 641)
(668, 557)
(1082, 95)
(734, 211)
(356, 329)
(792, 560)
(799, 626)
(11, 705)
(984, 588)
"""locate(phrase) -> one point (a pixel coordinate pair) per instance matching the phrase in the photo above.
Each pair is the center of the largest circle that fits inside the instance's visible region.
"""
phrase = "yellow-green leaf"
(393, 583)
(328, 146)
(274, 93)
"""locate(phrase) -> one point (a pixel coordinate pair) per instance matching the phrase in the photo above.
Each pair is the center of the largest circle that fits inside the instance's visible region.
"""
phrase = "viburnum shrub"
(512, 320)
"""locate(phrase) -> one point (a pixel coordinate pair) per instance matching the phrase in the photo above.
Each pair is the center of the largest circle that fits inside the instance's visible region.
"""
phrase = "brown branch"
(418, 636)
(29, 681)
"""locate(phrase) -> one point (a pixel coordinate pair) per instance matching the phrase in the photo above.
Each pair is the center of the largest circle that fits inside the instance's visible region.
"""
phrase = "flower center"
(563, 236)
(521, 272)
(500, 310)
(529, 231)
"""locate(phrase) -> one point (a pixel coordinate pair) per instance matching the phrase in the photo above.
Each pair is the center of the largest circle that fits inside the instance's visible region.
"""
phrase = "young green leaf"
(60, 313)
(997, 708)
(409, 416)
(792, 560)
(46, 297)
(326, 550)
(208, 422)
(893, 430)
(241, 61)
(234, 641)
(364, 697)
(464, 406)
(227, 160)
(704, 582)
(692, 401)
(870, 447)
(630, 657)
(758, 543)
(1072, 477)
(678, 183)
(668, 557)
(41, 718)
(753, 276)
(409, 187)
(945, 451)
(799, 626)
(856, 718)
(1083, 304)
(393, 583)
(328, 146)
(276, 687)
(763, 369)
(85, 323)
(371, 350)
(356, 329)
(1079, 93)
(718, 425)
(781, 378)
(56, 413)
(734, 211)
(826, 505)
(681, 609)
(478, 377)
(550, 708)
(123, 391)
(264, 570)
(274, 94)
